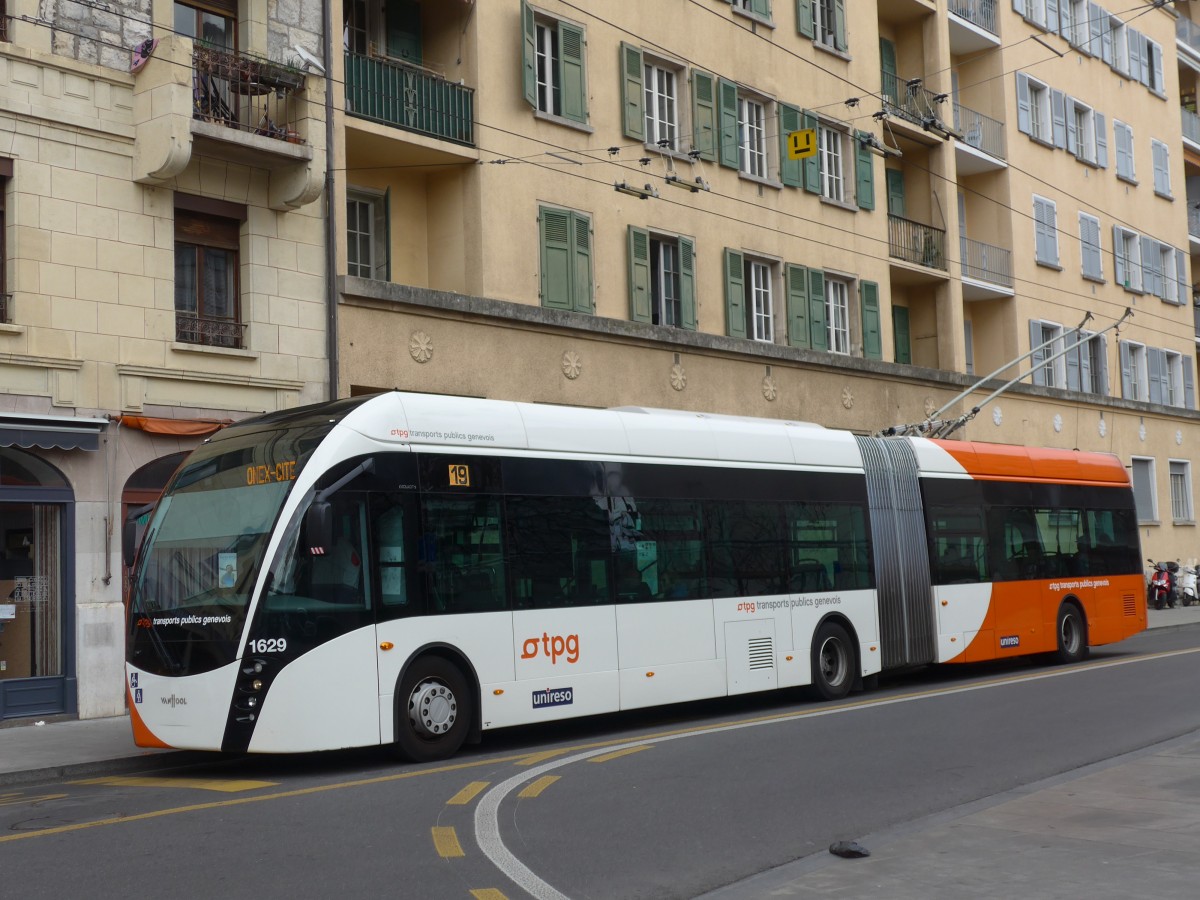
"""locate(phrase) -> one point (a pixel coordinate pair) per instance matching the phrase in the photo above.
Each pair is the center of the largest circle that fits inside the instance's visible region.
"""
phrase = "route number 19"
(460, 476)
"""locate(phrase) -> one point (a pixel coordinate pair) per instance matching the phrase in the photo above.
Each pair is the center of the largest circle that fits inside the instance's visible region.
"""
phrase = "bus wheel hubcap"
(833, 662)
(432, 709)
(1070, 634)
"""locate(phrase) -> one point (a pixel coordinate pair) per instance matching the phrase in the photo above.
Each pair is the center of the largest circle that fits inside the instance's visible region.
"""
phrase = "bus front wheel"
(833, 662)
(1072, 634)
(433, 713)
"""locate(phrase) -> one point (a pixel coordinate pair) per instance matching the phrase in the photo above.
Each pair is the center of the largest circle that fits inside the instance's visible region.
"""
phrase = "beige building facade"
(594, 204)
(164, 271)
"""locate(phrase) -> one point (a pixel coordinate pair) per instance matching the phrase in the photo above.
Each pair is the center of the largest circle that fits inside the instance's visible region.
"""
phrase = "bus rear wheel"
(1072, 634)
(433, 710)
(833, 662)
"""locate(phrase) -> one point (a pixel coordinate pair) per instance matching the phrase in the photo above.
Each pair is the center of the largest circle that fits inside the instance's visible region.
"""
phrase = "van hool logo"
(553, 697)
(173, 701)
(1011, 640)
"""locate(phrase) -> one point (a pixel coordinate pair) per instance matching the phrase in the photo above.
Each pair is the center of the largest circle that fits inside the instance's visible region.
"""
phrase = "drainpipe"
(331, 219)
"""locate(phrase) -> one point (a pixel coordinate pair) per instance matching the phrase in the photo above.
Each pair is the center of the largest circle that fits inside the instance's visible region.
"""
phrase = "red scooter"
(1161, 591)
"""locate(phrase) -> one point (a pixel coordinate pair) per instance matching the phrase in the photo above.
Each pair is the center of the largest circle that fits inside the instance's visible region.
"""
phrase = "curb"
(1167, 629)
(126, 765)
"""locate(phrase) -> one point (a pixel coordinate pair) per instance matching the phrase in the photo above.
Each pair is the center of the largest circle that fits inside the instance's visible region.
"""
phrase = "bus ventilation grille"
(762, 654)
(1130, 604)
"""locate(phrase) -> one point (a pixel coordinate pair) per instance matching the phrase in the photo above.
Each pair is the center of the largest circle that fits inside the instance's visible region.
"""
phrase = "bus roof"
(1004, 462)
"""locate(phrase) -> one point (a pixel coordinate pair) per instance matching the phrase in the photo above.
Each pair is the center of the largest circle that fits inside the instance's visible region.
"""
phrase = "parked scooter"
(1187, 585)
(1161, 591)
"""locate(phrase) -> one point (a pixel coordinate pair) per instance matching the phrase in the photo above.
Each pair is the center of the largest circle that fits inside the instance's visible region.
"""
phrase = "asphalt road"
(668, 803)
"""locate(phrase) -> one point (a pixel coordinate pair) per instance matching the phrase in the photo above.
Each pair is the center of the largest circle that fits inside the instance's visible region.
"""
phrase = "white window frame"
(824, 14)
(1097, 365)
(1139, 373)
(831, 150)
(661, 82)
(760, 298)
(1153, 51)
(1166, 260)
(1120, 45)
(1181, 490)
(1042, 231)
(1148, 461)
(545, 71)
(1174, 364)
(1162, 174)
(1035, 12)
(1132, 261)
(1053, 374)
(753, 113)
(1041, 123)
(837, 315)
(1081, 34)
(1085, 130)
(1125, 128)
(376, 242)
(666, 283)
(1096, 273)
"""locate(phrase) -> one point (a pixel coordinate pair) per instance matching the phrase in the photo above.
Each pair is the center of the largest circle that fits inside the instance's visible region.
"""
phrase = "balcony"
(972, 26)
(5, 308)
(1193, 213)
(913, 242)
(408, 97)
(194, 100)
(910, 101)
(209, 332)
(982, 146)
(986, 270)
(1191, 125)
(1187, 34)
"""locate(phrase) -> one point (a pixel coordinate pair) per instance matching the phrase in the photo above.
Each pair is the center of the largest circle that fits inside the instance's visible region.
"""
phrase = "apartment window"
(760, 9)
(554, 66)
(1087, 363)
(207, 307)
(1127, 258)
(1161, 157)
(3, 37)
(1081, 130)
(566, 259)
(1152, 65)
(1120, 45)
(1169, 288)
(1181, 490)
(749, 296)
(662, 119)
(5, 297)
(1035, 12)
(758, 286)
(666, 291)
(829, 23)
(367, 240)
(1172, 376)
(837, 315)
(1089, 246)
(1045, 219)
(1134, 374)
(1123, 136)
(1033, 109)
(1047, 371)
(214, 22)
(752, 137)
(830, 151)
(1144, 498)
(661, 279)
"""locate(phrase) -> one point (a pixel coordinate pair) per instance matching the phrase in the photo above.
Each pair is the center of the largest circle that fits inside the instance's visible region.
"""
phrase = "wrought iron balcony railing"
(985, 262)
(3, 20)
(980, 131)
(909, 99)
(411, 98)
(245, 92)
(190, 329)
(916, 243)
(977, 12)
(5, 308)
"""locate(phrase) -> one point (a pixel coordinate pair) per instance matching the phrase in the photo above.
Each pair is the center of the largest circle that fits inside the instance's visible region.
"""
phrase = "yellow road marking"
(536, 787)
(536, 758)
(467, 794)
(445, 841)
(487, 894)
(822, 710)
(618, 753)
(14, 799)
(224, 786)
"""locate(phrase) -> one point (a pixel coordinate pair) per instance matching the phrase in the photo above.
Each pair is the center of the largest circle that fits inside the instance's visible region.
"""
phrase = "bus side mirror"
(318, 527)
(129, 542)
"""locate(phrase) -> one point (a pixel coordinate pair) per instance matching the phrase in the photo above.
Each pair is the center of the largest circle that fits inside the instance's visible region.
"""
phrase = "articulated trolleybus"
(415, 569)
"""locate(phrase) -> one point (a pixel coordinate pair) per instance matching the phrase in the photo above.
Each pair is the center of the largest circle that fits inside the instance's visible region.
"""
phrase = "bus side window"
(393, 530)
(462, 554)
(559, 551)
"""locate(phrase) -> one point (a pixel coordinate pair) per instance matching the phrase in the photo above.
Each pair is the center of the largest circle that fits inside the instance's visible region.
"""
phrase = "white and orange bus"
(416, 569)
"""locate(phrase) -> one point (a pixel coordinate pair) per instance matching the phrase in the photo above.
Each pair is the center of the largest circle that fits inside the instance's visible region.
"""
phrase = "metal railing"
(190, 329)
(1191, 124)
(246, 92)
(979, 131)
(1188, 32)
(916, 243)
(411, 98)
(909, 99)
(1193, 218)
(977, 12)
(3, 20)
(5, 307)
(985, 262)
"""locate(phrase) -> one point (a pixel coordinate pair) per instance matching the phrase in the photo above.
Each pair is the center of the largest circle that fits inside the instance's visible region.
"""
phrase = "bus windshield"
(205, 544)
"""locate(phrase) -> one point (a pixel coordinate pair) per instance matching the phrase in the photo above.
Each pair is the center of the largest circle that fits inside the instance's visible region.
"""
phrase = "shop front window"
(31, 634)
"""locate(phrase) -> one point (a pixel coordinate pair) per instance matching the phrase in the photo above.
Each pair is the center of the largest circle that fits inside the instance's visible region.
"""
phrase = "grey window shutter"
(1084, 352)
(1098, 19)
(872, 339)
(704, 115)
(761, 7)
(1019, 7)
(529, 55)
(687, 284)
(1121, 138)
(1052, 15)
(639, 275)
(735, 294)
(1023, 108)
(1183, 293)
(1120, 264)
(791, 171)
(817, 320)
(1156, 364)
(1157, 62)
(797, 306)
(1101, 139)
(1073, 361)
(571, 72)
(1102, 359)
(839, 21)
(812, 165)
(1189, 386)
(804, 18)
(727, 116)
(582, 287)
(1106, 41)
(633, 97)
(555, 226)
(1058, 114)
(1149, 264)
(864, 191)
(1126, 370)
(1038, 360)
(1134, 41)
(1147, 60)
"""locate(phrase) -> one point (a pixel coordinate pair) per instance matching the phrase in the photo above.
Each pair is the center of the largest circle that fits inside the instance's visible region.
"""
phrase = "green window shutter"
(791, 171)
(887, 65)
(735, 294)
(804, 18)
(864, 191)
(797, 306)
(571, 72)
(639, 275)
(403, 30)
(895, 192)
(817, 328)
(839, 21)
(728, 134)
(761, 8)
(868, 292)
(581, 297)
(812, 165)
(529, 56)
(704, 115)
(555, 228)
(383, 226)
(687, 284)
(900, 334)
(633, 103)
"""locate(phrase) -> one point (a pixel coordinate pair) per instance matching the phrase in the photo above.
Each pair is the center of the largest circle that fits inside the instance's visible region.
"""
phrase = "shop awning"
(50, 432)
(181, 427)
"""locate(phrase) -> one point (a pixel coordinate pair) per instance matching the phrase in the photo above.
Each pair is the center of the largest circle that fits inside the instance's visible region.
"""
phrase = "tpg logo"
(552, 647)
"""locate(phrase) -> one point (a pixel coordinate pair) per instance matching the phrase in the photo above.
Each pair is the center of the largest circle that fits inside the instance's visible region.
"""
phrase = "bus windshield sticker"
(460, 475)
(227, 566)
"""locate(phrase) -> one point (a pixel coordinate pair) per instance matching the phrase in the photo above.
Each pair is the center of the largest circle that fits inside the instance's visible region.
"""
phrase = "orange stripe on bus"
(142, 735)
(1000, 462)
